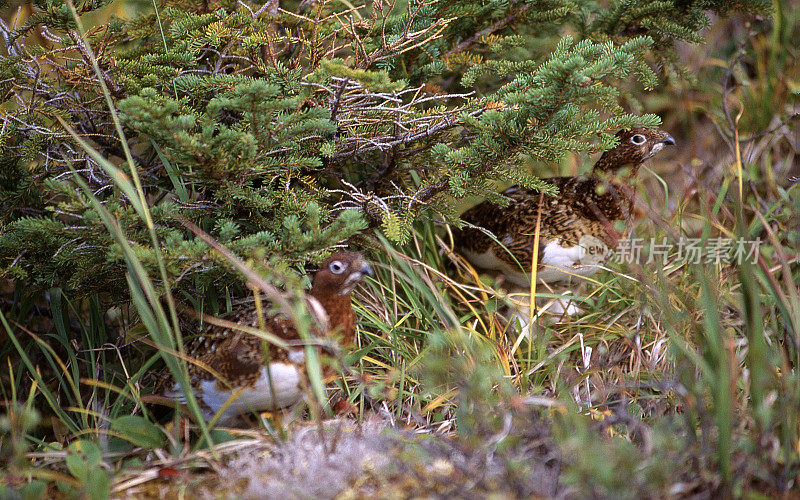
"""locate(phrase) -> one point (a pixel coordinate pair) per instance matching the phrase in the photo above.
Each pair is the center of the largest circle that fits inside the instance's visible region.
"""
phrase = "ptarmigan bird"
(576, 226)
(228, 362)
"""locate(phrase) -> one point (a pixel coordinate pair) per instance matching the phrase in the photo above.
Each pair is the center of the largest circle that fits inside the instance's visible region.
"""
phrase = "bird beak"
(669, 141)
(366, 269)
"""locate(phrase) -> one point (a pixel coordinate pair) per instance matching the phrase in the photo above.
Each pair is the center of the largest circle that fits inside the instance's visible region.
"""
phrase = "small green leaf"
(34, 490)
(82, 457)
(119, 445)
(65, 488)
(97, 484)
(138, 431)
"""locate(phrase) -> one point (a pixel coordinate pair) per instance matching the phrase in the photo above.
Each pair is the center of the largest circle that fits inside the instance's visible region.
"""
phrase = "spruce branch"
(356, 108)
(269, 121)
(494, 28)
(89, 59)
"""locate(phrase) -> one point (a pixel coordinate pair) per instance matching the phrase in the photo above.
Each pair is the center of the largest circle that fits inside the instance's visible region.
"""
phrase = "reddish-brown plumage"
(341, 317)
(231, 361)
(333, 293)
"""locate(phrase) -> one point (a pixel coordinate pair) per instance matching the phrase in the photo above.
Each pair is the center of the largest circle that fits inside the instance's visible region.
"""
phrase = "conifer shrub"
(284, 129)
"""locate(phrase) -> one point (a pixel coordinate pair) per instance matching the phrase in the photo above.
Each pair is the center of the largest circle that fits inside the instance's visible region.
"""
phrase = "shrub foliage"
(285, 129)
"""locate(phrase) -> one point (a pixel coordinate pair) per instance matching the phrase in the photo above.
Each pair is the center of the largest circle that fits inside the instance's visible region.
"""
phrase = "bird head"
(340, 274)
(635, 146)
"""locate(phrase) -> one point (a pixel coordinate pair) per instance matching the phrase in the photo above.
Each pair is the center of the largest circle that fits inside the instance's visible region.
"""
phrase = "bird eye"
(337, 267)
(638, 139)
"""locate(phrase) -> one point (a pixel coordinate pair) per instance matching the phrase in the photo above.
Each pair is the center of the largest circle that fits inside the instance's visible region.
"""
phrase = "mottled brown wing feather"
(234, 355)
(563, 218)
(584, 208)
(239, 363)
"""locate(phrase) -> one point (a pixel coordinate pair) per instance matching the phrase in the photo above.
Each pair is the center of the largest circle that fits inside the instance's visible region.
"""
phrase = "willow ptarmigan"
(576, 227)
(238, 357)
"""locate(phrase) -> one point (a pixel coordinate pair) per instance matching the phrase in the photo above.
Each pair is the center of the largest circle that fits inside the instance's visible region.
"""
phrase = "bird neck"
(612, 194)
(608, 167)
(341, 318)
(606, 163)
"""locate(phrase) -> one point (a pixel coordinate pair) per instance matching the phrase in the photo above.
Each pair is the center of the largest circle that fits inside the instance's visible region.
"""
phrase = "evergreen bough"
(284, 129)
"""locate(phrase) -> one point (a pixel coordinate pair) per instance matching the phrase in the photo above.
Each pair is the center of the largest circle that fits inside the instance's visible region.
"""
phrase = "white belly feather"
(560, 263)
(260, 396)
